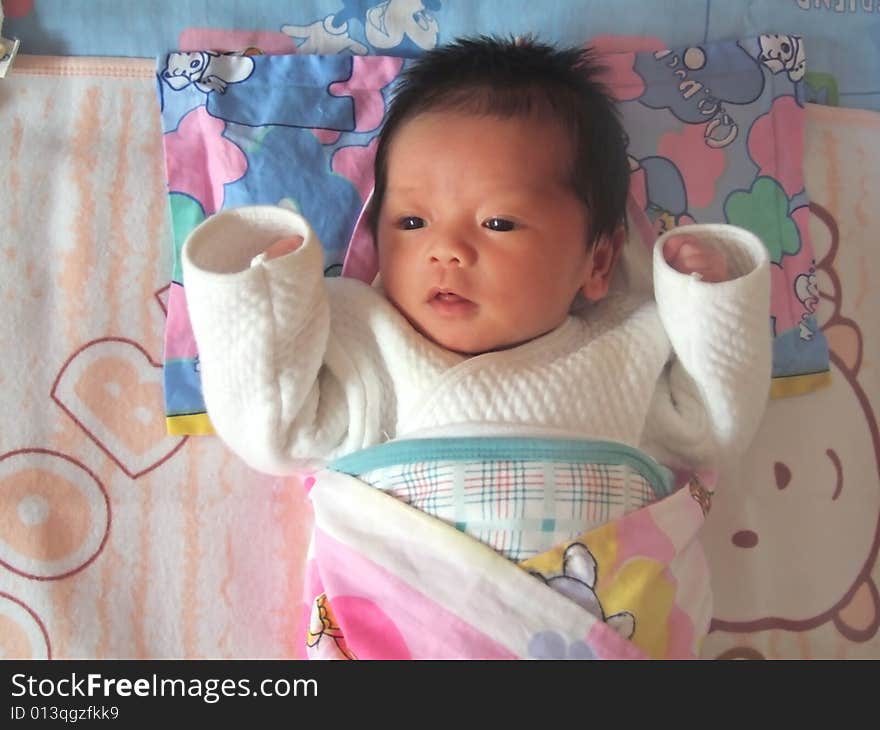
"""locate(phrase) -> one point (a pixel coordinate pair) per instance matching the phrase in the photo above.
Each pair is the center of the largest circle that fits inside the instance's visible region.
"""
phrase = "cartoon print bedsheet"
(842, 37)
(715, 134)
(117, 540)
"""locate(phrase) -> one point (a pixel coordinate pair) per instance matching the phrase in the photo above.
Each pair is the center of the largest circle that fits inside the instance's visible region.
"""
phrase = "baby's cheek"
(404, 286)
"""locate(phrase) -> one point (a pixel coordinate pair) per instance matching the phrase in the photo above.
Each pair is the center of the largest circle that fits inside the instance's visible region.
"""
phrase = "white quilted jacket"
(298, 367)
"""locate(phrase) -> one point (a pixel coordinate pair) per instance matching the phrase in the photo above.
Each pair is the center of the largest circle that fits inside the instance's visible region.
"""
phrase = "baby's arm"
(262, 323)
(712, 285)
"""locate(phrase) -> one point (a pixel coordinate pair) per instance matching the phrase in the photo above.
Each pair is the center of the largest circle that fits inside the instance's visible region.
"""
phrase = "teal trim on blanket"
(567, 451)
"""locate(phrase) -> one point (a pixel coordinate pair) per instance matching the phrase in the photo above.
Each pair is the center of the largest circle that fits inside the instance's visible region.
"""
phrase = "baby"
(503, 308)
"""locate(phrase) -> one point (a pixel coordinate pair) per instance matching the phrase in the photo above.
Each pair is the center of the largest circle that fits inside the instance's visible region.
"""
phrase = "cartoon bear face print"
(794, 534)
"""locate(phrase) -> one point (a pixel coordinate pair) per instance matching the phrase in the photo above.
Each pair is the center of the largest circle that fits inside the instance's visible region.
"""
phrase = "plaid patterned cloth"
(520, 508)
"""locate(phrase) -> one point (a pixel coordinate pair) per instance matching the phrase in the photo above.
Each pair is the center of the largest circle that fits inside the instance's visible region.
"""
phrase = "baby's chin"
(457, 340)
(471, 343)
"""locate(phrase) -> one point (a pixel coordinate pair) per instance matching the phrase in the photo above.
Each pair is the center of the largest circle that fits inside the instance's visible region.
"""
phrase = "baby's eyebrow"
(402, 189)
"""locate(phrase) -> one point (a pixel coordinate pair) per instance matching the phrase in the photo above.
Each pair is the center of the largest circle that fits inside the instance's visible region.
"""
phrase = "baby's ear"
(600, 265)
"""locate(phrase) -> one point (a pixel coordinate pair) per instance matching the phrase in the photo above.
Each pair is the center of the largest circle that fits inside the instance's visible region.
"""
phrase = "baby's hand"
(688, 255)
(283, 247)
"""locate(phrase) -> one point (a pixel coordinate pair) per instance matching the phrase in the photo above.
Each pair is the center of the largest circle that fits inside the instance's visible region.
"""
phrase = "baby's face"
(482, 240)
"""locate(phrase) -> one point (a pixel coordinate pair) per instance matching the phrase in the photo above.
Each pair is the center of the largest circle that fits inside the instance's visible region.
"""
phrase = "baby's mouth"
(448, 302)
(446, 295)
(449, 296)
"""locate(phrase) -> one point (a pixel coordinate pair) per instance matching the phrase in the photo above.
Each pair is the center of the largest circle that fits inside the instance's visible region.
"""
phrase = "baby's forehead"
(448, 131)
(519, 154)
(496, 187)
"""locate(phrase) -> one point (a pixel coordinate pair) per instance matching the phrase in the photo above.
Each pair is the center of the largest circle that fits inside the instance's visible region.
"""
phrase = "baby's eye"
(499, 224)
(410, 223)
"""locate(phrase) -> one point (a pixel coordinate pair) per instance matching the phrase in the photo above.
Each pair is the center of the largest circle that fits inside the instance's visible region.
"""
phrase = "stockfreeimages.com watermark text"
(209, 690)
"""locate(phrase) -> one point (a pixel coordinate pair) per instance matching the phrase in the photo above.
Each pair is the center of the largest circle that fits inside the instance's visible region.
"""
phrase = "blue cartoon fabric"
(715, 134)
(842, 37)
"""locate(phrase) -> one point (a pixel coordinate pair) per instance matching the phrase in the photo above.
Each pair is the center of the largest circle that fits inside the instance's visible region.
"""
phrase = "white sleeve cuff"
(744, 251)
(233, 240)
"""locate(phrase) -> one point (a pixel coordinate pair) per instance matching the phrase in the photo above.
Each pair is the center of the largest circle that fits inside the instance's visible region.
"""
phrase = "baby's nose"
(452, 251)
(446, 258)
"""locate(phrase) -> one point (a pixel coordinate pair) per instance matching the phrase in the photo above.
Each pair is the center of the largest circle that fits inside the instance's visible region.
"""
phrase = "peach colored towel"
(115, 539)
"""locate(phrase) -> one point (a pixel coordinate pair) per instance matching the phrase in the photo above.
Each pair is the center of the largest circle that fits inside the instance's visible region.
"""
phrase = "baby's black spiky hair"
(514, 77)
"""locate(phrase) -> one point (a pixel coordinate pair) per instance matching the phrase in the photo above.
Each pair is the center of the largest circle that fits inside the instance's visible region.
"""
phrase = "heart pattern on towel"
(161, 296)
(112, 388)
(54, 514)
